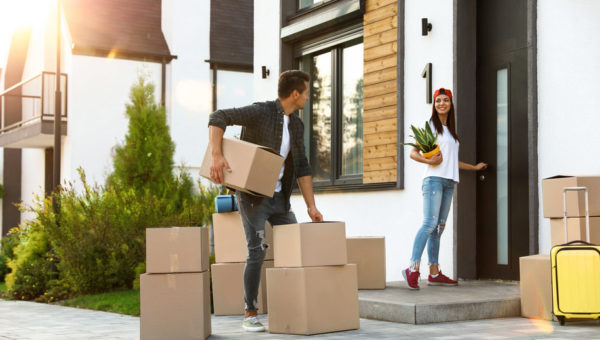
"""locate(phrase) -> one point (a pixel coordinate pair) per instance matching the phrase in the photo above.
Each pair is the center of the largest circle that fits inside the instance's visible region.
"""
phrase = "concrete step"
(470, 300)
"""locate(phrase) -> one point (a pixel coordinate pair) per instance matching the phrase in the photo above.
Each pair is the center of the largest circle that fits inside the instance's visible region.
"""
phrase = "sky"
(15, 14)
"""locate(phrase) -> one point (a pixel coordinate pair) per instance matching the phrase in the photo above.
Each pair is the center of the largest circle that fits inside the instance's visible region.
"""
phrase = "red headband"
(442, 91)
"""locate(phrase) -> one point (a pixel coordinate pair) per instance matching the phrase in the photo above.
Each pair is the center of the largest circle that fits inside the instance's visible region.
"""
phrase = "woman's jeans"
(437, 196)
(254, 217)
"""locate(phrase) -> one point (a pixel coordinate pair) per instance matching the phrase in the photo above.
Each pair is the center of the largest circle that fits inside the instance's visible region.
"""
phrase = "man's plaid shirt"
(262, 124)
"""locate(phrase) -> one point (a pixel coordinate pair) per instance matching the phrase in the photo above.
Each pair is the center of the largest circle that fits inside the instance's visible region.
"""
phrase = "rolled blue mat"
(225, 203)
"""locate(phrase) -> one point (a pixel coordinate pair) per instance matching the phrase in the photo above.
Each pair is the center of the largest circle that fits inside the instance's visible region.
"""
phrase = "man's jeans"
(254, 218)
(437, 196)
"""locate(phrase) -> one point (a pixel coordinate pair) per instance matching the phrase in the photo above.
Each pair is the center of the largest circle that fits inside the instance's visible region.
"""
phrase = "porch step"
(470, 300)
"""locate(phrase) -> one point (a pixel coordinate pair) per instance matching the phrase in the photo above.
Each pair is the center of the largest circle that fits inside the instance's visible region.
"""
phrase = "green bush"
(33, 265)
(7, 246)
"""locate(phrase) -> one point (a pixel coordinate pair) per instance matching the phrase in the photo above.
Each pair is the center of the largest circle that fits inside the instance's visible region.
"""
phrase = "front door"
(502, 190)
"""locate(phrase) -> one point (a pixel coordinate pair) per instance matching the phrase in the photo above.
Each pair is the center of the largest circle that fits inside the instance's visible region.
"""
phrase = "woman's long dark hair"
(438, 124)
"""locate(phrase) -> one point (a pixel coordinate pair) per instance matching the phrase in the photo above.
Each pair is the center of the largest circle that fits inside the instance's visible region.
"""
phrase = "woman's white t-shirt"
(449, 148)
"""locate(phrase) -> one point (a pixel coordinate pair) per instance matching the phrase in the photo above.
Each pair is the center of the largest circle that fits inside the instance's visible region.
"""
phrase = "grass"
(122, 301)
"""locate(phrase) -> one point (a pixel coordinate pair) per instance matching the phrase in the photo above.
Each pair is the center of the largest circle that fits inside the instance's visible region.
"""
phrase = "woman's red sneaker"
(412, 278)
(441, 280)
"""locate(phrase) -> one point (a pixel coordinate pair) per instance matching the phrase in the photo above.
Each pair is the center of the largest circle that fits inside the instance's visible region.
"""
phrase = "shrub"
(33, 265)
(7, 246)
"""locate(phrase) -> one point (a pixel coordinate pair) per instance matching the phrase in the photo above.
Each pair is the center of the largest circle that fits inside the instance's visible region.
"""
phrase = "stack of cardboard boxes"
(312, 289)
(230, 257)
(535, 270)
(175, 291)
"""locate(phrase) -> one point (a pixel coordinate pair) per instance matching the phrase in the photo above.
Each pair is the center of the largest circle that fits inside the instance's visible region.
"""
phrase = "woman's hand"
(435, 159)
(481, 166)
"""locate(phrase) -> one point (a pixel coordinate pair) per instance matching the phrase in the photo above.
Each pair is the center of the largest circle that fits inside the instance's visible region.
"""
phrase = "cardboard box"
(310, 244)
(175, 306)
(368, 253)
(577, 230)
(254, 168)
(177, 250)
(312, 300)
(552, 192)
(536, 286)
(230, 238)
(228, 288)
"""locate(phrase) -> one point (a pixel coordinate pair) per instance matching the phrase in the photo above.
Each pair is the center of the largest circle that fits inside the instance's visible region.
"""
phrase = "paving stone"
(29, 320)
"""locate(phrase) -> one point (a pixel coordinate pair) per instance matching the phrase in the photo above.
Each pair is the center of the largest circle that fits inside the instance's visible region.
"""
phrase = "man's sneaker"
(441, 280)
(251, 324)
(411, 278)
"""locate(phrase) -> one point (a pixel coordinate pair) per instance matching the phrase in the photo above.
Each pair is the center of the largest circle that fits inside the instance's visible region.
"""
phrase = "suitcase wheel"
(561, 319)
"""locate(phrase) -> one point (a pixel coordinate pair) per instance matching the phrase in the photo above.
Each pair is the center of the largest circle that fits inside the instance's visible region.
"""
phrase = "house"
(106, 45)
(523, 74)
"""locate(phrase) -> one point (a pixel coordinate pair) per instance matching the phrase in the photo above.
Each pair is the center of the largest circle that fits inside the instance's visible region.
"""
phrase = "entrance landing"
(470, 300)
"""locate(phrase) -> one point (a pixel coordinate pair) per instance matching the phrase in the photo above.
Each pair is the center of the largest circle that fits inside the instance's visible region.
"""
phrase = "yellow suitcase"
(576, 274)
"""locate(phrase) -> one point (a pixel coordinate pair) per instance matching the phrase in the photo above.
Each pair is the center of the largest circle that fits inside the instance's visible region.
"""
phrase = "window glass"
(307, 3)
(320, 148)
(352, 109)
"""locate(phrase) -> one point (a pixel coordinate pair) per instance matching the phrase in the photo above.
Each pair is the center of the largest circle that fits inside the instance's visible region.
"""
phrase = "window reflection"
(352, 106)
(321, 117)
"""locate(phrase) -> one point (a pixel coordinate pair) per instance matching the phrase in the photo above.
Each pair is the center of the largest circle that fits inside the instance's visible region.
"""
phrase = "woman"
(438, 187)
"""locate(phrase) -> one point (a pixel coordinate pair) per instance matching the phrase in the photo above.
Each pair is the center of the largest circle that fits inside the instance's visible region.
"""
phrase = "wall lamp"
(265, 72)
(425, 27)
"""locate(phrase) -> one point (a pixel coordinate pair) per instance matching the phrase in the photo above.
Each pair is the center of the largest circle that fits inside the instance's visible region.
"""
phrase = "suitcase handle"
(578, 241)
(587, 212)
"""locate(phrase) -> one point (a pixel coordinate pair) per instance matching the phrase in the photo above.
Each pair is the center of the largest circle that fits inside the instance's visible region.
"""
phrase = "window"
(333, 116)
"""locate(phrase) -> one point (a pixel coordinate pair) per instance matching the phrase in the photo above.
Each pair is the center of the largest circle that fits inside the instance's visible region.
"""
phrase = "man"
(274, 124)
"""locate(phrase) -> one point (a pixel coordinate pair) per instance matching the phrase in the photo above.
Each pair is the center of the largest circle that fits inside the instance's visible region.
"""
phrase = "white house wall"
(98, 91)
(266, 47)
(234, 89)
(395, 214)
(186, 25)
(568, 69)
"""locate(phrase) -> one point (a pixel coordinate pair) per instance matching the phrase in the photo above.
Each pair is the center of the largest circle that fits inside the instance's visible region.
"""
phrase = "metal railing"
(37, 95)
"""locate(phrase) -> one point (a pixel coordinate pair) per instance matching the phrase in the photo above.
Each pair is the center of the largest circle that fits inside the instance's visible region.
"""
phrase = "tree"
(145, 161)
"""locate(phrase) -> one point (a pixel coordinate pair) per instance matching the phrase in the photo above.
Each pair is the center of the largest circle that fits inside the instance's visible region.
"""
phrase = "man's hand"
(216, 169)
(315, 214)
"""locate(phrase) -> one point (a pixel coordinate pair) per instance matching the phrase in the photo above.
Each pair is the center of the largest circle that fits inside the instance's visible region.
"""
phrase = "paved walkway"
(29, 320)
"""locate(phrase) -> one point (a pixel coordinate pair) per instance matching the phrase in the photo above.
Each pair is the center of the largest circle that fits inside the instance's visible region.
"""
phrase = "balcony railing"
(32, 103)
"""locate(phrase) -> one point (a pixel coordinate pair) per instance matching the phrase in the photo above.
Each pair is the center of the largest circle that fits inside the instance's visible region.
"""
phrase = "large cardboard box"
(576, 230)
(177, 250)
(310, 244)
(312, 300)
(536, 286)
(228, 288)
(552, 192)
(254, 169)
(230, 238)
(175, 306)
(368, 253)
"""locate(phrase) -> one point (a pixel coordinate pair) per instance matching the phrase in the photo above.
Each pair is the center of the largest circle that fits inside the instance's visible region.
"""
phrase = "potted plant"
(425, 141)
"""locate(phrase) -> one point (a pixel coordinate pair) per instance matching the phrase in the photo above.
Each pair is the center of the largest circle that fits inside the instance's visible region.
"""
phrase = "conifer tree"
(145, 161)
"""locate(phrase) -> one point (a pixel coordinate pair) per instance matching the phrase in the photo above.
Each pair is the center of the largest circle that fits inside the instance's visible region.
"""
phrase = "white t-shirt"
(449, 148)
(285, 148)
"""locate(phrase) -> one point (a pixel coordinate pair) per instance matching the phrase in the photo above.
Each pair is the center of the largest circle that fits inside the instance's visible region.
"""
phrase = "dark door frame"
(465, 84)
